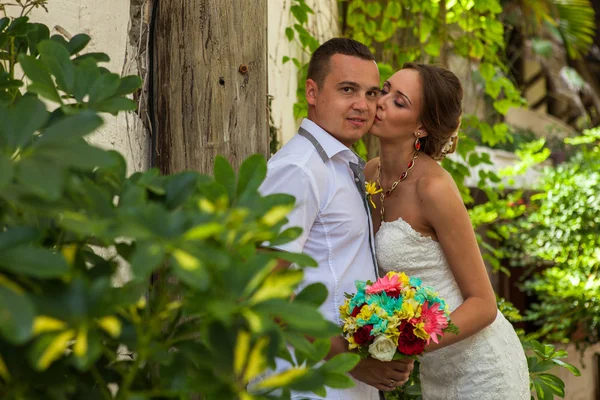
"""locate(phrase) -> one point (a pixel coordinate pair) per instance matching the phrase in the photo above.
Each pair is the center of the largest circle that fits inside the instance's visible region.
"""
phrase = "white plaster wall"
(107, 22)
(283, 79)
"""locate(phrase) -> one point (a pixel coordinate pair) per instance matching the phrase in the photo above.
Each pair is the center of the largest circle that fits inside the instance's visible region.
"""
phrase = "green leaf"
(502, 106)
(477, 49)
(542, 366)
(48, 348)
(6, 171)
(191, 271)
(297, 258)
(59, 39)
(252, 173)
(370, 28)
(225, 175)
(22, 121)
(300, 14)
(41, 177)
(146, 258)
(300, 317)
(78, 43)
(37, 72)
(104, 87)
(69, 128)
(568, 366)
(341, 363)
(338, 381)
(18, 235)
(16, 313)
(314, 294)
(289, 33)
(49, 92)
(180, 187)
(4, 23)
(433, 46)
(393, 10)
(128, 85)
(33, 261)
(78, 154)
(554, 383)
(487, 71)
(11, 84)
(115, 105)
(57, 59)
(427, 25)
(86, 74)
(19, 27)
(374, 9)
(542, 390)
(96, 57)
(41, 32)
(285, 59)
(286, 236)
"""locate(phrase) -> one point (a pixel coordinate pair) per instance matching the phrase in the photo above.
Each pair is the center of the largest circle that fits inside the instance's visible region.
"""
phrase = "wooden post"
(210, 82)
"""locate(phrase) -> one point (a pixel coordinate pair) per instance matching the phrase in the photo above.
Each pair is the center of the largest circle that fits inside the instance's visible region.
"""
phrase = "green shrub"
(198, 314)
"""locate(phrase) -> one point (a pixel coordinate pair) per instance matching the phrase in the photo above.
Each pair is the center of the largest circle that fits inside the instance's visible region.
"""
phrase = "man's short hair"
(320, 64)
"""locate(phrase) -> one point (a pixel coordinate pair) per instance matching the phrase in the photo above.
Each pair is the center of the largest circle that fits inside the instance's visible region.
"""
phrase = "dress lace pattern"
(489, 365)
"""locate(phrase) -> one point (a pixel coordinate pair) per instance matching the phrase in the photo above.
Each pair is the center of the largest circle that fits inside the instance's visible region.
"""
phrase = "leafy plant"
(560, 233)
(543, 358)
(203, 312)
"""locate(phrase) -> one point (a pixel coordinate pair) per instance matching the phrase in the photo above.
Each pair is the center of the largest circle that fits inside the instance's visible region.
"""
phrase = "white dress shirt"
(326, 179)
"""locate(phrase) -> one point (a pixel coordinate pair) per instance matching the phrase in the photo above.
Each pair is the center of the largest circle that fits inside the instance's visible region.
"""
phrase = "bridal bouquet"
(394, 317)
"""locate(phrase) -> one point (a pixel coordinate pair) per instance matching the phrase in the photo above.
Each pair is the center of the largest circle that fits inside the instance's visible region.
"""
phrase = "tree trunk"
(210, 82)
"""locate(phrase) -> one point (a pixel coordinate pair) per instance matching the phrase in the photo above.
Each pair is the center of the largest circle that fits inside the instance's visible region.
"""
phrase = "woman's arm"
(444, 210)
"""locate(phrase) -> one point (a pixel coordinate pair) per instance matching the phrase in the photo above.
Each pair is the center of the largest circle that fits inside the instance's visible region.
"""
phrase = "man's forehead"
(354, 69)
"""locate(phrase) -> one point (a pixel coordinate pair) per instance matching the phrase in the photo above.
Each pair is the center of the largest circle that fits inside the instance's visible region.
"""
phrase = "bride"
(424, 230)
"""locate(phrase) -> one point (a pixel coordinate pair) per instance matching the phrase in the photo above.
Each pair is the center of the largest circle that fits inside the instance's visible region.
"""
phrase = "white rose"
(382, 349)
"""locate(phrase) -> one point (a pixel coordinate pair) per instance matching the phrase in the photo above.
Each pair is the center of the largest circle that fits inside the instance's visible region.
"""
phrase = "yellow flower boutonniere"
(371, 188)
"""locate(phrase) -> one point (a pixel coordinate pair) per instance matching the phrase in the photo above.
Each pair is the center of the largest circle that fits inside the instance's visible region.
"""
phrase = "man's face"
(346, 102)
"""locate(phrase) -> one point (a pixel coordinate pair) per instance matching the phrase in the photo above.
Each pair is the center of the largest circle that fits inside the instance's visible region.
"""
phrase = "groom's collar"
(326, 145)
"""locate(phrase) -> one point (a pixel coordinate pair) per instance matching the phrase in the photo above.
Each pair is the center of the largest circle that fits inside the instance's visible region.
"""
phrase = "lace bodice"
(491, 364)
(400, 248)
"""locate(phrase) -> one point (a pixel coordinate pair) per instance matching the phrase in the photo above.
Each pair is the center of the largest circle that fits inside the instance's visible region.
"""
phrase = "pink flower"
(434, 320)
(391, 286)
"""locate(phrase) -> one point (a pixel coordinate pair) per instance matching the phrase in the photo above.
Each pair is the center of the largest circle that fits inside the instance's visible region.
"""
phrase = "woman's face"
(399, 106)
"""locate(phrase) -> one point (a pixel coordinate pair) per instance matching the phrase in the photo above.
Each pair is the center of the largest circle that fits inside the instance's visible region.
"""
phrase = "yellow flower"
(408, 293)
(404, 279)
(409, 309)
(350, 325)
(392, 328)
(371, 188)
(351, 343)
(420, 332)
(367, 311)
(345, 309)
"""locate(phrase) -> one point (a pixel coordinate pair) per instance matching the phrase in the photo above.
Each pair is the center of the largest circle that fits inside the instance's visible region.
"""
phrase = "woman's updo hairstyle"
(441, 109)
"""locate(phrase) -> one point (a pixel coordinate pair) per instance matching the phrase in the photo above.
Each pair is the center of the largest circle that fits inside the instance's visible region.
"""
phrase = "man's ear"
(311, 92)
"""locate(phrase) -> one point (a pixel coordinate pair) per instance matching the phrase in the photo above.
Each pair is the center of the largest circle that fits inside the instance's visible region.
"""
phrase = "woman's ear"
(423, 131)
(311, 92)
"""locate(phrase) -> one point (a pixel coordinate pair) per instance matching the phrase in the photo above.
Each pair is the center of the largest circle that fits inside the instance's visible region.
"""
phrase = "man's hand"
(385, 376)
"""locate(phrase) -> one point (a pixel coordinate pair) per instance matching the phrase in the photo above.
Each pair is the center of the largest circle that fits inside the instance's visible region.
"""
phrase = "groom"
(318, 168)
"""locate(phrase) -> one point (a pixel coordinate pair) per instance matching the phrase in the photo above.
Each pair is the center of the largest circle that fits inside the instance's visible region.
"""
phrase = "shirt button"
(356, 179)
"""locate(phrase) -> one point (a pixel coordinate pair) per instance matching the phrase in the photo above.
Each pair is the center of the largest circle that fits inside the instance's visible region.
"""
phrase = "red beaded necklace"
(403, 176)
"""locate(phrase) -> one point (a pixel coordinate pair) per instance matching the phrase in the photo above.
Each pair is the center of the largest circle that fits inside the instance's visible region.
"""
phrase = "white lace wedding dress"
(489, 365)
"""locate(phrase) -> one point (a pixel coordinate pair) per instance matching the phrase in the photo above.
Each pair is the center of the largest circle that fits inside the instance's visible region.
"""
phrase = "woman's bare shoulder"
(371, 168)
(436, 184)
